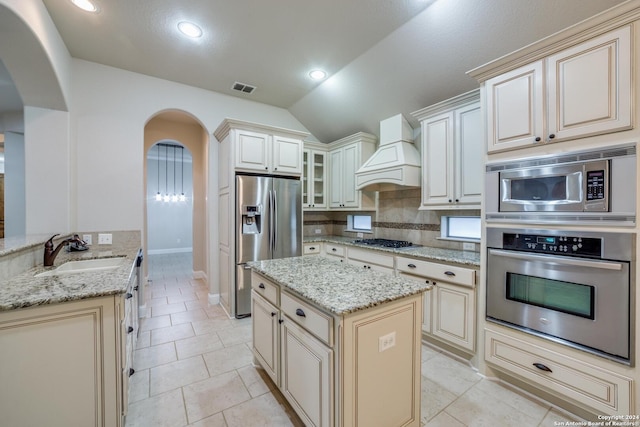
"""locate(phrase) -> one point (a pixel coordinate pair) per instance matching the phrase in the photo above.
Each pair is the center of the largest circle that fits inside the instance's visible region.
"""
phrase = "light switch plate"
(105, 239)
(87, 238)
(385, 342)
(468, 246)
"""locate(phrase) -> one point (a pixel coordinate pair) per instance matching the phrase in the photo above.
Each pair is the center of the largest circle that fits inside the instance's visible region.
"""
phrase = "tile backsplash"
(397, 218)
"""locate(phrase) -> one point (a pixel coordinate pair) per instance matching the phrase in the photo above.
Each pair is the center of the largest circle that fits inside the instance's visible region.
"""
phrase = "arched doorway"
(162, 133)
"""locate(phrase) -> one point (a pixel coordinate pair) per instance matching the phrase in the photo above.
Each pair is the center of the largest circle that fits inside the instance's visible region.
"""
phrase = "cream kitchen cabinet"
(451, 313)
(452, 146)
(311, 248)
(334, 250)
(68, 364)
(588, 86)
(345, 158)
(370, 260)
(589, 385)
(260, 152)
(314, 181)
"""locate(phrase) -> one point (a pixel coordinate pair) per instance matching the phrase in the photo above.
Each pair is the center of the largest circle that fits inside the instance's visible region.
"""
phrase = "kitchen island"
(342, 344)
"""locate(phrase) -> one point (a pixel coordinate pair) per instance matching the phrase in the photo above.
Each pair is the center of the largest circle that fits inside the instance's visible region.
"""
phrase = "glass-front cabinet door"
(313, 180)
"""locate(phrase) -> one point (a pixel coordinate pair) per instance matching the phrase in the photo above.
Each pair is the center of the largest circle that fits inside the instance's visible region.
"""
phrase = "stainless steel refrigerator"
(268, 226)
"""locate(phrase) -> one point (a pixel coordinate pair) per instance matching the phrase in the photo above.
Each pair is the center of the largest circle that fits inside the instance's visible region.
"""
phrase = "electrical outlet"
(385, 342)
(105, 239)
(468, 246)
(318, 231)
(87, 239)
(359, 234)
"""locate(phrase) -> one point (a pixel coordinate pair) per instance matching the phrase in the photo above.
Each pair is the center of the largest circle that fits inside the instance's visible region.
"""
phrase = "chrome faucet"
(50, 253)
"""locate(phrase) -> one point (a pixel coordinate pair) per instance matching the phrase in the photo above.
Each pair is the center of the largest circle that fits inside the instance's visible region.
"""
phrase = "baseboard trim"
(214, 299)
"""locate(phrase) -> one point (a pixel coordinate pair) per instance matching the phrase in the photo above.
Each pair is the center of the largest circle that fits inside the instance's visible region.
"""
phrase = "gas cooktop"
(385, 243)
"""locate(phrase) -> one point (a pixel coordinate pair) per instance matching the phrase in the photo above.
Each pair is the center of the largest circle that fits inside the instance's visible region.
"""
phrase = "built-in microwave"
(589, 185)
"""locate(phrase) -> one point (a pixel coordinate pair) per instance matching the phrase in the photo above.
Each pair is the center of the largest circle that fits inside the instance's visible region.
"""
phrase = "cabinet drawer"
(332, 249)
(310, 248)
(446, 273)
(265, 288)
(603, 391)
(370, 257)
(310, 318)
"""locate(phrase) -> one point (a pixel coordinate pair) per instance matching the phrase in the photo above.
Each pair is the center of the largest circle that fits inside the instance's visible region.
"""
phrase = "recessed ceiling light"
(317, 74)
(190, 29)
(86, 5)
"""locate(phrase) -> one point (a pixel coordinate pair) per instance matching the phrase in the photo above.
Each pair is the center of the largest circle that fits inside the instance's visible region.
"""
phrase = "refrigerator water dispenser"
(251, 219)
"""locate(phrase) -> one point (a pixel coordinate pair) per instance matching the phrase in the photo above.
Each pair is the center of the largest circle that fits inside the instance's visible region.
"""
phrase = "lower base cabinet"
(332, 369)
(594, 388)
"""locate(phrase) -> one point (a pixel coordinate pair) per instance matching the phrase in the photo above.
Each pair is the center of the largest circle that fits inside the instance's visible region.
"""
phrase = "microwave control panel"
(595, 185)
(558, 245)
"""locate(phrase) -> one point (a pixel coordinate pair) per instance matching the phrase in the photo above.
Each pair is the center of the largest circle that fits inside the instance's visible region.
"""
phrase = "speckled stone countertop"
(26, 290)
(468, 258)
(334, 286)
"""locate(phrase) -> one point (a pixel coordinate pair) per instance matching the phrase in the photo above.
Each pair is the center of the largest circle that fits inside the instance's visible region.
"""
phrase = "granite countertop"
(468, 258)
(26, 290)
(334, 286)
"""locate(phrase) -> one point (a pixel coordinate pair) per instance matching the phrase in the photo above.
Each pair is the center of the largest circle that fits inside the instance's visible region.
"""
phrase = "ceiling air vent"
(243, 87)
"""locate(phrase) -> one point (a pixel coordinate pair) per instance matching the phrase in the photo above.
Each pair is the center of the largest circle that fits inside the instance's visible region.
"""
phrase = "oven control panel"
(559, 245)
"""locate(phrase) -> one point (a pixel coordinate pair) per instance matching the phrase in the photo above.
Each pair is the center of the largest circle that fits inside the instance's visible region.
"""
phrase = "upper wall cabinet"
(314, 176)
(260, 149)
(452, 146)
(345, 158)
(580, 90)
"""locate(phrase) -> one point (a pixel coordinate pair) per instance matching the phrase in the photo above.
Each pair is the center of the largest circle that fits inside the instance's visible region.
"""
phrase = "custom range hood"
(396, 162)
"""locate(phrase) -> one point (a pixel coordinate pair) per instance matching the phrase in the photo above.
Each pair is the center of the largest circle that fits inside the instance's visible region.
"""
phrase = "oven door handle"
(607, 265)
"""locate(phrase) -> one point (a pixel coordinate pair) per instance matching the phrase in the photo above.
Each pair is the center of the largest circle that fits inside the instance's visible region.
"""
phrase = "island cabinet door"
(307, 372)
(265, 335)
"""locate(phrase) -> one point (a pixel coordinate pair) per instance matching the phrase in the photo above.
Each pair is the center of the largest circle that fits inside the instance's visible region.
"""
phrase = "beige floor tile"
(216, 312)
(210, 326)
(189, 316)
(182, 298)
(428, 353)
(164, 410)
(450, 374)
(445, 420)
(255, 379)
(236, 335)
(228, 359)
(144, 339)
(215, 394)
(478, 409)
(262, 411)
(149, 357)
(155, 302)
(150, 323)
(139, 386)
(168, 309)
(216, 420)
(199, 303)
(199, 344)
(159, 293)
(434, 399)
(514, 399)
(177, 374)
(171, 333)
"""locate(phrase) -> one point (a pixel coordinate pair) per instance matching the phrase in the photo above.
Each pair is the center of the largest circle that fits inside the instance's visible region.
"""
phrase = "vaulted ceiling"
(383, 56)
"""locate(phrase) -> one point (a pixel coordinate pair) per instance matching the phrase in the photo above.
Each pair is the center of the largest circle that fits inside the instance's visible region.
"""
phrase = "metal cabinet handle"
(411, 265)
(553, 135)
(542, 367)
(261, 286)
(334, 250)
(450, 273)
(273, 313)
(300, 313)
(538, 139)
(312, 248)
(131, 371)
(130, 329)
(280, 321)
(135, 288)
(128, 295)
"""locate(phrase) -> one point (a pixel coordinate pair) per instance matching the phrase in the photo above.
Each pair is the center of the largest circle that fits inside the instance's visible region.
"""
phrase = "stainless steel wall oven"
(572, 287)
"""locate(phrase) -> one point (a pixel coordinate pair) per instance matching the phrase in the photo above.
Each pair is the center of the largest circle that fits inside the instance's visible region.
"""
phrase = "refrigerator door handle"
(271, 224)
(275, 220)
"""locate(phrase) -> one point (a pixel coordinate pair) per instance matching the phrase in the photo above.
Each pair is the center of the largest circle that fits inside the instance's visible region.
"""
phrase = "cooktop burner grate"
(385, 243)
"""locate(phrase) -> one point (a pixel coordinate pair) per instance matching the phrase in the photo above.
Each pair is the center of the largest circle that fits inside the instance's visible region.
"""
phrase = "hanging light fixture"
(174, 197)
(158, 195)
(183, 198)
(166, 174)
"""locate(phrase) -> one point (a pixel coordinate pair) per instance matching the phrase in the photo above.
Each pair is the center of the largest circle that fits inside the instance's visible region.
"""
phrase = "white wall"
(14, 190)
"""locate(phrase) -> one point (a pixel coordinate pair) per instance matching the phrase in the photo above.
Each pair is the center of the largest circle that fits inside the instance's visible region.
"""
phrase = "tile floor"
(193, 368)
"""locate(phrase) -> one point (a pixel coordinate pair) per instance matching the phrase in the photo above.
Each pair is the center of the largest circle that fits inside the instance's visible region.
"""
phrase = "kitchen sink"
(84, 266)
